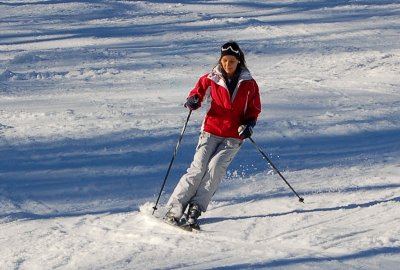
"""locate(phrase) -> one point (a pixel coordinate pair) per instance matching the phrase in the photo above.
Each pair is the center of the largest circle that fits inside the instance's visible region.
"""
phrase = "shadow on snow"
(320, 259)
(177, 22)
(300, 211)
(117, 172)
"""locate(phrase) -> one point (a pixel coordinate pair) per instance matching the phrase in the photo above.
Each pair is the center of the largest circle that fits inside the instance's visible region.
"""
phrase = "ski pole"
(275, 168)
(172, 160)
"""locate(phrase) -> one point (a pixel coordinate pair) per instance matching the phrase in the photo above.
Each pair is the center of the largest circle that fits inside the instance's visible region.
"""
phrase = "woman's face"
(229, 64)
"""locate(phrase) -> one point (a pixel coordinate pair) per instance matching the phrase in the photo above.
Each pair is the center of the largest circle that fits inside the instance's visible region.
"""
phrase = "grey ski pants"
(208, 168)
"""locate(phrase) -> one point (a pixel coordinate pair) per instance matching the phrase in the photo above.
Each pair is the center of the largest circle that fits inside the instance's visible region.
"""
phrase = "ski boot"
(192, 216)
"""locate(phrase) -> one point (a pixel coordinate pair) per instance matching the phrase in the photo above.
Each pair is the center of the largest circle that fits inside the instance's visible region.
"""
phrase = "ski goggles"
(229, 48)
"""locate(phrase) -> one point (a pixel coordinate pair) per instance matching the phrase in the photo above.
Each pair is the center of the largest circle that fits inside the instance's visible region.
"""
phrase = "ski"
(183, 226)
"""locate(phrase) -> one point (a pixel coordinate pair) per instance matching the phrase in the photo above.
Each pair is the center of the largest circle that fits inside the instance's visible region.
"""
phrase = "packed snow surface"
(91, 96)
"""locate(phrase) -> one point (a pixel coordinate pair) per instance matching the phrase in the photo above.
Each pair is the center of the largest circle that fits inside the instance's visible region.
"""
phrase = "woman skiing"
(233, 105)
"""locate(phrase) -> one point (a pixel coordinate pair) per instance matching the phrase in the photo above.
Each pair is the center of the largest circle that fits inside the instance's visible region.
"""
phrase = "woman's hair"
(232, 48)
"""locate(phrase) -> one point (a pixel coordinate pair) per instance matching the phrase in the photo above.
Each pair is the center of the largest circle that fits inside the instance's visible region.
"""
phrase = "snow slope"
(91, 96)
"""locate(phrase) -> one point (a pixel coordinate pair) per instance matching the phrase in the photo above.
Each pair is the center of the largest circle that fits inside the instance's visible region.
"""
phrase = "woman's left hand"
(245, 131)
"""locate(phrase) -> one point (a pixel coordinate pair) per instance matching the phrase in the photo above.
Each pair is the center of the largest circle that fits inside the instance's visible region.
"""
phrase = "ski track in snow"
(91, 96)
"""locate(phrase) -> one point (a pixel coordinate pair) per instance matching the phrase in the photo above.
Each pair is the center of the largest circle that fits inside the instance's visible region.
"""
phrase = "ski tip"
(186, 228)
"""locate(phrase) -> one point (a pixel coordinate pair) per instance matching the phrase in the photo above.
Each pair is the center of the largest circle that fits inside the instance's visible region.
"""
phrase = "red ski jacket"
(225, 113)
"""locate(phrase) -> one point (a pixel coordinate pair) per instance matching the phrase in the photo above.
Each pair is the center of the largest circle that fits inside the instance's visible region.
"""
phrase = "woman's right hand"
(193, 103)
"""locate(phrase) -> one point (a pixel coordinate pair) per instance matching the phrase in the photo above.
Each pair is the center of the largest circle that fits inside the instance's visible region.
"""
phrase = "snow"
(91, 96)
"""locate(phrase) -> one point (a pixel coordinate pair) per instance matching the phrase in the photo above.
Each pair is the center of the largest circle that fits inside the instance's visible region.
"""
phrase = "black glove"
(193, 102)
(246, 130)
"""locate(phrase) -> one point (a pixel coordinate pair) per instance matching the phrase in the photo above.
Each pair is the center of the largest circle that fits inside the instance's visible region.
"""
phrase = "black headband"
(230, 48)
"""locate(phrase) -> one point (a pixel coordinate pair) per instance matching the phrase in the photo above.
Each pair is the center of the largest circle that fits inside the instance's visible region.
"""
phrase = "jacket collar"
(217, 76)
